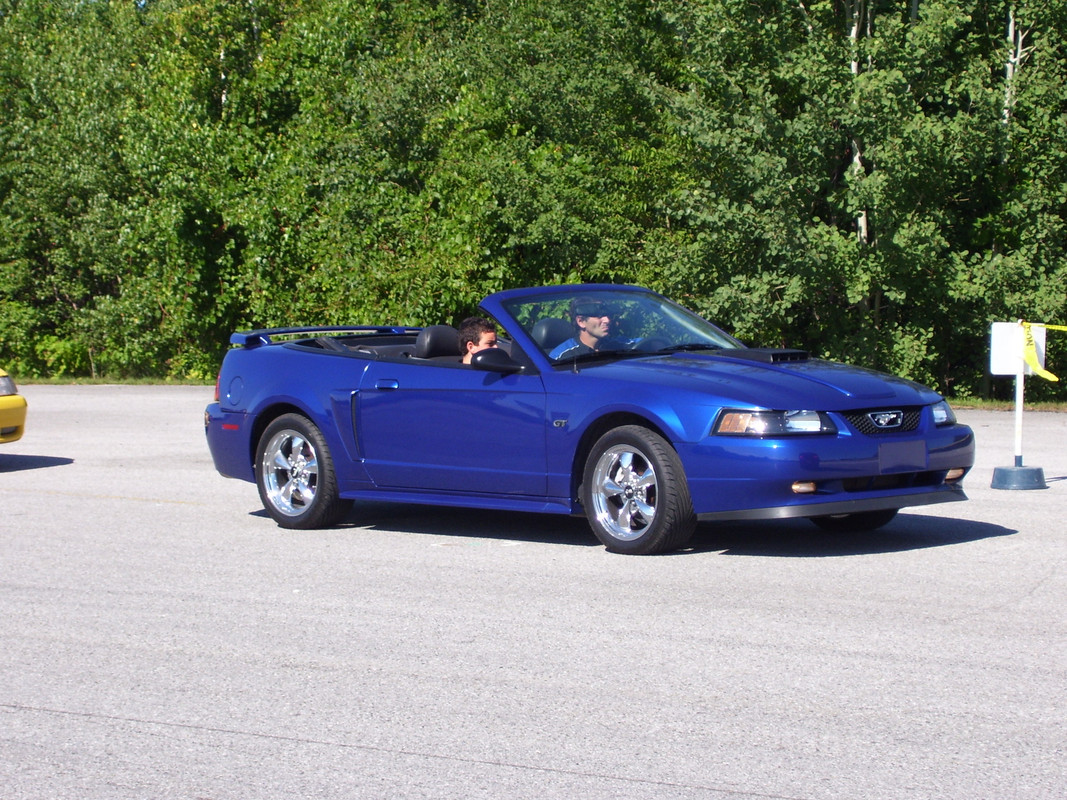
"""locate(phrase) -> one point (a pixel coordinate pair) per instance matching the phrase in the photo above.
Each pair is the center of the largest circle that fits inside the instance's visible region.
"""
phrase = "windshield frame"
(643, 322)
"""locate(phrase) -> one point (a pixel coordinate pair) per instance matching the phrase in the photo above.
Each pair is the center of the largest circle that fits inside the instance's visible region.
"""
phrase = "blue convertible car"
(610, 402)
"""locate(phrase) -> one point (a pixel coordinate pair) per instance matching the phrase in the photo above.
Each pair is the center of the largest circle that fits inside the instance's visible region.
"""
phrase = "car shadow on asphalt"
(797, 538)
(466, 523)
(800, 538)
(14, 462)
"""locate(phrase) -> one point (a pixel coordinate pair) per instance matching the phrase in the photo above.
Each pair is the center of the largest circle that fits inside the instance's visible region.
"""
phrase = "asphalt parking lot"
(160, 637)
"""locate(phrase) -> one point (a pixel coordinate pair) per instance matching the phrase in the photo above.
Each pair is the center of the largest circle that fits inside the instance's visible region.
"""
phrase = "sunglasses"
(592, 311)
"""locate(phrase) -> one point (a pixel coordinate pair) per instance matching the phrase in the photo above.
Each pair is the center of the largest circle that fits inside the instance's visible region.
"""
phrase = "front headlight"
(943, 414)
(737, 422)
(7, 386)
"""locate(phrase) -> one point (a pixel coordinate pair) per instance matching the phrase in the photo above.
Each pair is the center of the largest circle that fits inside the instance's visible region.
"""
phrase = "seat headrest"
(437, 340)
(551, 331)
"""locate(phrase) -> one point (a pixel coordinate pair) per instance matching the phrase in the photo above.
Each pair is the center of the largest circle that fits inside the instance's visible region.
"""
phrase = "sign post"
(1017, 348)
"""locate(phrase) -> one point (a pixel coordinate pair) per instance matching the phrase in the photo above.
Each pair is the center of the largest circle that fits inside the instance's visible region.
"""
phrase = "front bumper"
(12, 417)
(942, 494)
(742, 478)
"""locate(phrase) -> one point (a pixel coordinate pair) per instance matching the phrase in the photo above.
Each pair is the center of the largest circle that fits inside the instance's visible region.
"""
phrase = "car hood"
(809, 383)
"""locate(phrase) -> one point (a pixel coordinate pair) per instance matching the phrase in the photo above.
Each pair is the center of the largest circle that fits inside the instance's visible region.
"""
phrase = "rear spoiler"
(265, 336)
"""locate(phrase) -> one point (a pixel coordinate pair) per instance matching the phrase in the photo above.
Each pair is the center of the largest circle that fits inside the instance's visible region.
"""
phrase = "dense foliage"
(874, 180)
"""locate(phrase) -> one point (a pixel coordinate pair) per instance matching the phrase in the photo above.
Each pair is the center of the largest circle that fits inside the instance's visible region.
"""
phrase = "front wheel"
(635, 493)
(856, 523)
(295, 475)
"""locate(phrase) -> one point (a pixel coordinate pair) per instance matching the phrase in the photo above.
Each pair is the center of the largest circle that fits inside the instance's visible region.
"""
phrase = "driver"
(593, 324)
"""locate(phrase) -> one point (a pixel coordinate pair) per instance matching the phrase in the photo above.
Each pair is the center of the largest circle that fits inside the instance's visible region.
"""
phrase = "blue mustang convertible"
(606, 401)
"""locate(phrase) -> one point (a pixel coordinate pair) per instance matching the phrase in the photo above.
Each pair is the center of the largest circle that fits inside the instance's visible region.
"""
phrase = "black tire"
(635, 493)
(295, 475)
(856, 523)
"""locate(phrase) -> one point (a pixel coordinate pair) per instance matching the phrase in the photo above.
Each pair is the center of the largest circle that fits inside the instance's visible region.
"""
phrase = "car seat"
(437, 341)
(551, 331)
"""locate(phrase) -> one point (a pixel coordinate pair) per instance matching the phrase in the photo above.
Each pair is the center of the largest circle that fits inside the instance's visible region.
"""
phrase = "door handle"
(387, 384)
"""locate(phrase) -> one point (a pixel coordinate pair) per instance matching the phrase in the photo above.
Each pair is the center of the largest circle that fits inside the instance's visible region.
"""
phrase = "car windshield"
(591, 323)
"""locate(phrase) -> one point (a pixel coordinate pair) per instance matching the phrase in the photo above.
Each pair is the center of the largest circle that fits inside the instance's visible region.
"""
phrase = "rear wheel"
(295, 475)
(856, 523)
(635, 493)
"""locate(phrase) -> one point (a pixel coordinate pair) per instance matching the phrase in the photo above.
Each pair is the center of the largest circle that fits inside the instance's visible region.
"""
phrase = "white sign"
(1007, 348)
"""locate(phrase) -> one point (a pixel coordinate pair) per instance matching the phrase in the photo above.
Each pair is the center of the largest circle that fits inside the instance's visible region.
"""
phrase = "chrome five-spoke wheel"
(624, 492)
(635, 493)
(290, 472)
(295, 474)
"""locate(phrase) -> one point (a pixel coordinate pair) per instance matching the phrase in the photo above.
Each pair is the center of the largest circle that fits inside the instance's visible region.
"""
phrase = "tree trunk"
(858, 26)
(1018, 52)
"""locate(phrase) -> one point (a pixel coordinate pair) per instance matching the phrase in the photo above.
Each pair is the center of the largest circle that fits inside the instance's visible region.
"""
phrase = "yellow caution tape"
(1030, 349)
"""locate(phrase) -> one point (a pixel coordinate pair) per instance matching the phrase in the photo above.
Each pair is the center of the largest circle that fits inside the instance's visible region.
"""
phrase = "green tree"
(876, 180)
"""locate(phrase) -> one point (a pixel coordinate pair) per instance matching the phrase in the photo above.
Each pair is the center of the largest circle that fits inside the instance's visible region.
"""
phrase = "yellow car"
(12, 410)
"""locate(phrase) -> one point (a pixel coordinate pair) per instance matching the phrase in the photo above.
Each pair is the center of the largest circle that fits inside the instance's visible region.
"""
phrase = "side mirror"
(493, 359)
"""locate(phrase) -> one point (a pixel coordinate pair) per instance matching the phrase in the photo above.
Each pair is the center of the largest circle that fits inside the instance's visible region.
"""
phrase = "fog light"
(954, 475)
(804, 487)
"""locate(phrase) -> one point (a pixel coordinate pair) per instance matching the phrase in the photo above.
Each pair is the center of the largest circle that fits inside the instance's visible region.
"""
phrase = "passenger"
(475, 334)
(593, 322)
